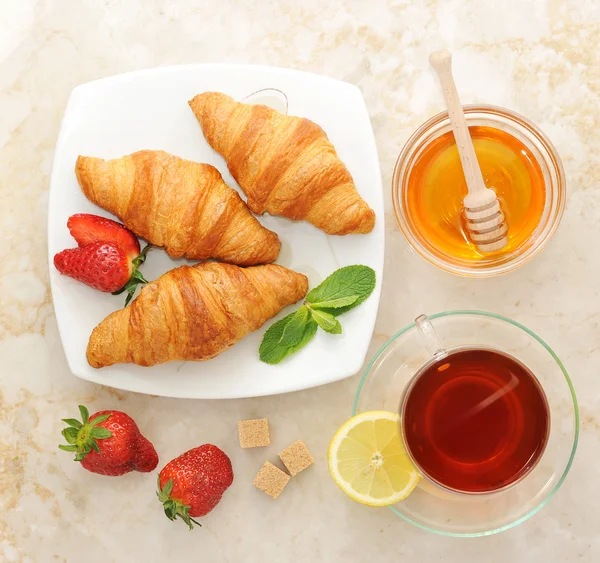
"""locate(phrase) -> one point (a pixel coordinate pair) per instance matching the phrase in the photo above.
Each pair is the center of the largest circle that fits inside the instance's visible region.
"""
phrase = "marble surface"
(539, 58)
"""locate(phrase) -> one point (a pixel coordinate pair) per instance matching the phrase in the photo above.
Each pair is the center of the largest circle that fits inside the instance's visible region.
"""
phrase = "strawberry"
(193, 483)
(108, 256)
(100, 265)
(86, 228)
(109, 443)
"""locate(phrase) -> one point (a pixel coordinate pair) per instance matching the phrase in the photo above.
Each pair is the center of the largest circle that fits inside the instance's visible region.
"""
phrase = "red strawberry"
(109, 443)
(193, 483)
(100, 265)
(86, 228)
(108, 256)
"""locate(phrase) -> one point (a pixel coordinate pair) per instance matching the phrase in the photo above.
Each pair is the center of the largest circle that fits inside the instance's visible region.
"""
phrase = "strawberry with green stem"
(136, 277)
(108, 256)
(108, 443)
(193, 483)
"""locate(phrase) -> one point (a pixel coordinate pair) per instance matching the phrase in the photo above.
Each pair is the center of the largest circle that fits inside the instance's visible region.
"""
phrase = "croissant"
(194, 313)
(179, 204)
(285, 165)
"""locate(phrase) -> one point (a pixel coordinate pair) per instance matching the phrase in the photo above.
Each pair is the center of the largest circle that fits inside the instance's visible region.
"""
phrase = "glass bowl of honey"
(516, 158)
(488, 416)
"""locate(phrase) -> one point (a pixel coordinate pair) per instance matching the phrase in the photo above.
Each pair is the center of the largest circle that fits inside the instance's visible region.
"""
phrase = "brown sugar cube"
(271, 480)
(296, 457)
(254, 433)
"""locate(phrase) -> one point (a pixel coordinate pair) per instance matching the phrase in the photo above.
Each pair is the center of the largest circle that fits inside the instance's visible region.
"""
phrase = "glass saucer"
(453, 514)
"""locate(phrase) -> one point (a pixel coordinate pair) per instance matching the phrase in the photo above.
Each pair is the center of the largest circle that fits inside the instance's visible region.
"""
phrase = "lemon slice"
(368, 461)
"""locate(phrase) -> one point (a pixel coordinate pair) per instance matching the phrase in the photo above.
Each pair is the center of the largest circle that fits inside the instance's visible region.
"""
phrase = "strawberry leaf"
(82, 436)
(70, 434)
(85, 414)
(73, 422)
(168, 487)
(99, 432)
(142, 257)
(98, 419)
(137, 278)
(174, 508)
(170, 510)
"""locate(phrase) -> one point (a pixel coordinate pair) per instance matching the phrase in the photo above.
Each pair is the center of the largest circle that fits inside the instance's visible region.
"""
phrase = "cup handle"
(430, 337)
(272, 97)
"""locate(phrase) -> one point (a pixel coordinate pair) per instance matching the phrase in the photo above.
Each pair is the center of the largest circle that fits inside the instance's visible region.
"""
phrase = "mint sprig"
(343, 290)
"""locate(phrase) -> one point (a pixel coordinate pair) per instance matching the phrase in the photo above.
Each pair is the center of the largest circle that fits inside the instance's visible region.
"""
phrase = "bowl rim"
(474, 312)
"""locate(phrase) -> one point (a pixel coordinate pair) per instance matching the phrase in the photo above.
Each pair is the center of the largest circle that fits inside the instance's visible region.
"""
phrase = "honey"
(437, 187)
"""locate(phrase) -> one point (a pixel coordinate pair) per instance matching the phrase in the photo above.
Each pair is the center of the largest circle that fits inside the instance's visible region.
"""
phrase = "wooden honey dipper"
(484, 217)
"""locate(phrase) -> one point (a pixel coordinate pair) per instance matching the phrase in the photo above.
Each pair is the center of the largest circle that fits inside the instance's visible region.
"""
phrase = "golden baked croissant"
(285, 165)
(194, 313)
(179, 204)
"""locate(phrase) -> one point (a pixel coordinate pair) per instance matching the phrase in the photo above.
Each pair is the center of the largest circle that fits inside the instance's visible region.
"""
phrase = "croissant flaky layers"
(285, 165)
(194, 313)
(184, 206)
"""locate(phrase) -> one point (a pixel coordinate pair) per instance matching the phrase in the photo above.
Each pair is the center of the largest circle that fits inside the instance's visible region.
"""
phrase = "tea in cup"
(475, 420)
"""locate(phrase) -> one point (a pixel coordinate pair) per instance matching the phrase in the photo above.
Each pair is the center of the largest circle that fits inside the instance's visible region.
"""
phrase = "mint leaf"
(294, 328)
(272, 352)
(274, 333)
(341, 291)
(327, 322)
(335, 303)
(343, 283)
(310, 329)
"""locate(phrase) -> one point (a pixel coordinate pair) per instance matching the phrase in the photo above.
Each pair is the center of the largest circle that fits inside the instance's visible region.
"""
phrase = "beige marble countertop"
(537, 57)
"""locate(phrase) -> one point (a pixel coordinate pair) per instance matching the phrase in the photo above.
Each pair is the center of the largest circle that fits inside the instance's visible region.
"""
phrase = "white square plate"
(116, 116)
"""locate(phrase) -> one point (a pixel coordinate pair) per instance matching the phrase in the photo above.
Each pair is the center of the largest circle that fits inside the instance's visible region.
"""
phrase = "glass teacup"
(474, 420)
(390, 375)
